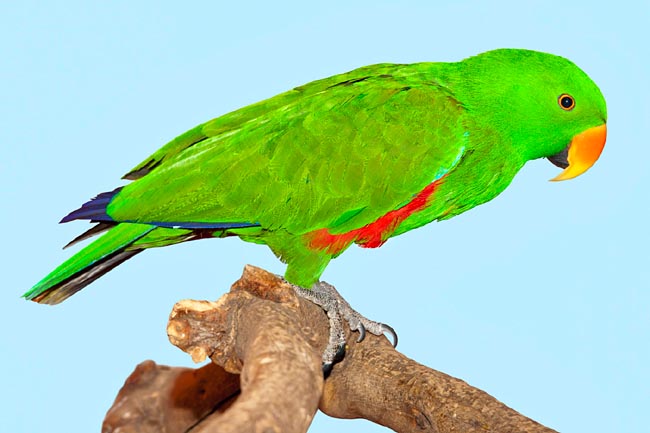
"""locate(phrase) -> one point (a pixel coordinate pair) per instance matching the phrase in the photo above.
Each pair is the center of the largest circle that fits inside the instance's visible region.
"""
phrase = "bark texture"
(265, 344)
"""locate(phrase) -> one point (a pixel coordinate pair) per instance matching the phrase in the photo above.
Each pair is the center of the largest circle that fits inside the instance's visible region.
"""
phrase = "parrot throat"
(372, 235)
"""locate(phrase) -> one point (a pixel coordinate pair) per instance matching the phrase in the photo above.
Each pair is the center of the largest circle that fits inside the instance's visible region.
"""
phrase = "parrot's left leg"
(338, 310)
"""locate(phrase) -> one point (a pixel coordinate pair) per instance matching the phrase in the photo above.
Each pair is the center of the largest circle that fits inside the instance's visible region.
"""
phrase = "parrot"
(356, 158)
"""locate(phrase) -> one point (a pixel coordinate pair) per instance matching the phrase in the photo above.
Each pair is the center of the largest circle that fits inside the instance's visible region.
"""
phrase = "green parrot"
(352, 159)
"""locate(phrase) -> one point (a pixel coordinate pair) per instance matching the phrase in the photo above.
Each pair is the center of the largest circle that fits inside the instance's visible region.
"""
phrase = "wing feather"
(359, 144)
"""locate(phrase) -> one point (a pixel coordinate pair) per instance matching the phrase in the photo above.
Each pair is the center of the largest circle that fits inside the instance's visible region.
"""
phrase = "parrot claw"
(362, 333)
(389, 329)
(338, 310)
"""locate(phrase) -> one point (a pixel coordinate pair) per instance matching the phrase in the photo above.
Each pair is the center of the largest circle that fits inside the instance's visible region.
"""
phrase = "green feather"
(346, 155)
(114, 241)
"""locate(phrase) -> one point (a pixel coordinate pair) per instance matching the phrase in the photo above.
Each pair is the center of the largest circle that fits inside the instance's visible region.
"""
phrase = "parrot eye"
(566, 102)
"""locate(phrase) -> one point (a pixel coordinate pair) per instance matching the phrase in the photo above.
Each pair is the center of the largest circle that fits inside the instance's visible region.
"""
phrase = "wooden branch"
(156, 398)
(265, 341)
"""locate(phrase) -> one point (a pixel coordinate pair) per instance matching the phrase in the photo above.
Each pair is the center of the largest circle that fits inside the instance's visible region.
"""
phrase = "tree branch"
(266, 342)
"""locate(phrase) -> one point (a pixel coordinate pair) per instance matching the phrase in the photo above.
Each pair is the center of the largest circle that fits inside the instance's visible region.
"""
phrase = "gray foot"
(338, 310)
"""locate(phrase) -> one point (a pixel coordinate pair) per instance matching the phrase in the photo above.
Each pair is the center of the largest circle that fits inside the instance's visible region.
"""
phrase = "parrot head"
(547, 105)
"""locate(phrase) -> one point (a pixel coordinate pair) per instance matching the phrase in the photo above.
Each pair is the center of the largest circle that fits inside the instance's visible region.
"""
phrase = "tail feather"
(100, 227)
(121, 241)
(68, 287)
(90, 263)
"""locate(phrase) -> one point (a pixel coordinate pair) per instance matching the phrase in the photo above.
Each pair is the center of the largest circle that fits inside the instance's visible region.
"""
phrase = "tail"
(120, 242)
(90, 263)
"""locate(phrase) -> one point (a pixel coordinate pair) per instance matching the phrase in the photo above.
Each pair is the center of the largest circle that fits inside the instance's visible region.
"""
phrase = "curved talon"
(389, 329)
(362, 333)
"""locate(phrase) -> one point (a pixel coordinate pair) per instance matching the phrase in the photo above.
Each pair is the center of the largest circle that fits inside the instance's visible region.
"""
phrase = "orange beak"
(584, 151)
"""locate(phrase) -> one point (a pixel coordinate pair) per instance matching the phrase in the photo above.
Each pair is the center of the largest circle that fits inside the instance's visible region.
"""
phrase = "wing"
(337, 153)
(253, 114)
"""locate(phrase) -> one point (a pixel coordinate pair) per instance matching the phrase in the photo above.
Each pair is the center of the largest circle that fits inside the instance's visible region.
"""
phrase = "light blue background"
(540, 297)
